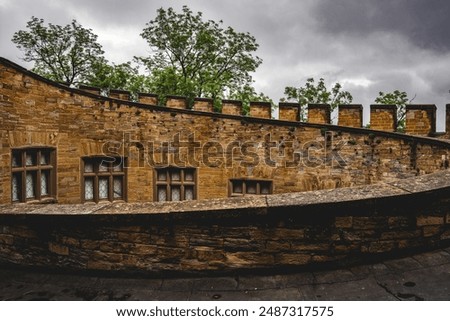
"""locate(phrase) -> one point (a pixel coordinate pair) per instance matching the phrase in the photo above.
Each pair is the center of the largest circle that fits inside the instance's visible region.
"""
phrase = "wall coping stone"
(119, 91)
(232, 101)
(261, 103)
(421, 107)
(263, 204)
(203, 99)
(374, 106)
(351, 106)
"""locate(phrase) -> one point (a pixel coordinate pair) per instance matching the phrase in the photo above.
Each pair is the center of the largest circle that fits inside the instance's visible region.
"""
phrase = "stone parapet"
(383, 117)
(350, 115)
(319, 113)
(90, 89)
(176, 102)
(261, 109)
(119, 94)
(421, 120)
(149, 99)
(231, 107)
(204, 104)
(289, 111)
(338, 226)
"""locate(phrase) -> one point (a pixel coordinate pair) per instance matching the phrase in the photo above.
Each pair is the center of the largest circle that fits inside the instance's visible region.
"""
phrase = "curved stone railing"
(337, 226)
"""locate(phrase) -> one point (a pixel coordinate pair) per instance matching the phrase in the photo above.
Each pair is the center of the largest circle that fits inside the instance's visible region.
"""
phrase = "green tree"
(123, 76)
(197, 58)
(398, 98)
(312, 93)
(246, 94)
(61, 53)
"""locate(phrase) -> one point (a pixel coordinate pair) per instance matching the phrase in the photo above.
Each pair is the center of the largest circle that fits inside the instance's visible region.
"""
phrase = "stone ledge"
(420, 184)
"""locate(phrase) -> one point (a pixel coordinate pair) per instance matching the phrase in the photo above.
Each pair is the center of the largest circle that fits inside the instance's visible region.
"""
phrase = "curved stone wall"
(288, 230)
(295, 156)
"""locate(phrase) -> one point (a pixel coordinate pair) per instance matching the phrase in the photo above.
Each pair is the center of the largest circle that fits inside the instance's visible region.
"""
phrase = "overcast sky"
(366, 45)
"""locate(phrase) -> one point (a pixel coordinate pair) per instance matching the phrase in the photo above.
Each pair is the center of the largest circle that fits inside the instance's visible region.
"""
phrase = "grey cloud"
(424, 22)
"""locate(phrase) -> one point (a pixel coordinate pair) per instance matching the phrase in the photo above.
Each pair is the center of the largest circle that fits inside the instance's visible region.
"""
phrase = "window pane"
(237, 187)
(103, 186)
(44, 158)
(30, 184)
(189, 175)
(89, 188)
(88, 167)
(30, 158)
(265, 187)
(16, 159)
(162, 175)
(175, 175)
(16, 186)
(176, 193)
(189, 193)
(118, 165)
(103, 166)
(44, 182)
(162, 194)
(251, 187)
(117, 186)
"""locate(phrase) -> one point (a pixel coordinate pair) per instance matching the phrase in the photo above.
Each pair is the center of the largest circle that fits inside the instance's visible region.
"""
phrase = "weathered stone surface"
(420, 119)
(350, 115)
(383, 117)
(344, 222)
(58, 249)
(430, 220)
(260, 109)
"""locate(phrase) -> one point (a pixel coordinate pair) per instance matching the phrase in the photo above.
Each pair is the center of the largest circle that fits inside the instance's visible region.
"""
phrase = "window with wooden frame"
(33, 174)
(246, 187)
(104, 179)
(175, 184)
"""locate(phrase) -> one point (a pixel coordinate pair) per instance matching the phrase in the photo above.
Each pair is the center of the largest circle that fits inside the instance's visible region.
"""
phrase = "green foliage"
(197, 58)
(61, 53)
(123, 76)
(312, 93)
(398, 98)
(247, 94)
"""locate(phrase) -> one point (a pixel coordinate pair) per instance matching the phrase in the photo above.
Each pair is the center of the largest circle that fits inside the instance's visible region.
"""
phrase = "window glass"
(175, 184)
(162, 194)
(32, 176)
(104, 179)
(30, 182)
(89, 188)
(103, 185)
(117, 190)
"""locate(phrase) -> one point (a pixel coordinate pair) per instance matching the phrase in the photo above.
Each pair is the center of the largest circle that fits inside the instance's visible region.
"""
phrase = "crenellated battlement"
(420, 118)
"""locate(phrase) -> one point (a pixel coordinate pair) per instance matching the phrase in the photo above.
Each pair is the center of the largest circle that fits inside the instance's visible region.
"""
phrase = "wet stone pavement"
(420, 277)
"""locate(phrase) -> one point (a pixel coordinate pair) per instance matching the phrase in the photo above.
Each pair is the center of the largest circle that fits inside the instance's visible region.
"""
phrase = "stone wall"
(350, 115)
(295, 156)
(289, 111)
(420, 120)
(338, 226)
(319, 113)
(261, 109)
(383, 117)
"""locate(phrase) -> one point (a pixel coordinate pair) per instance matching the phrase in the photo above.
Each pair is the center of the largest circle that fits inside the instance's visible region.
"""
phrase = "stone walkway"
(420, 277)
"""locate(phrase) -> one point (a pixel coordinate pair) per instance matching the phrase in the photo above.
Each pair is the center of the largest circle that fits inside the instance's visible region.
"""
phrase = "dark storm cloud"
(425, 23)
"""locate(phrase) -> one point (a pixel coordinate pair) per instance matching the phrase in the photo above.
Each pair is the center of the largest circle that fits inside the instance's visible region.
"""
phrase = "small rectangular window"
(175, 184)
(33, 174)
(244, 186)
(103, 179)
